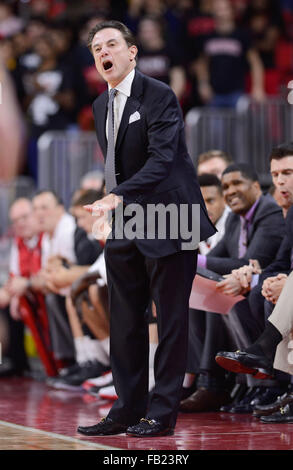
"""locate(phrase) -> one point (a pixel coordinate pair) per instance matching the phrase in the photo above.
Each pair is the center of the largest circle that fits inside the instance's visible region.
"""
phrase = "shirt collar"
(249, 215)
(125, 86)
(222, 220)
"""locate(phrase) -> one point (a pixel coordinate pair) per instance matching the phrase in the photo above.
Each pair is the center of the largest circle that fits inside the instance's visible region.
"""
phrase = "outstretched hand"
(107, 203)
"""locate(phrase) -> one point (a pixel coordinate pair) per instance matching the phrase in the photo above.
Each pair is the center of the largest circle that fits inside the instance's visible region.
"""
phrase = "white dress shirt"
(100, 266)
(207, 245)
(124, 90)
(62, 241)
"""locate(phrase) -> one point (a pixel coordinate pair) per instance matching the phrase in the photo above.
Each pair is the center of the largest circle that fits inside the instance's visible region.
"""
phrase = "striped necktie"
(110, 176)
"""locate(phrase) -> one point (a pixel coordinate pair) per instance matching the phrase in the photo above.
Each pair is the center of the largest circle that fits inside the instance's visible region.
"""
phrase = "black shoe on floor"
(284, 415)
(149, 428)
(106, 427)
(265, 396)
(85, 371)
(237, 394)
(259, 396)
(244, 405)
(187, 391)
(280, 402)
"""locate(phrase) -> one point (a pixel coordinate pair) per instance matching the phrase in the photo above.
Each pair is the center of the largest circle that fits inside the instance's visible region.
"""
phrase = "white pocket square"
(134, 117)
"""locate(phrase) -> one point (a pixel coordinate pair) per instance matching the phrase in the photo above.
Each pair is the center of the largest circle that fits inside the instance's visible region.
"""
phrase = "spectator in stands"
(264, 22)
(63, 244)
(222, 65)
(50, 98)
(25, 263)
(199, 21)
(253, 217)
(90, 328)
(214, 162)
(9, 24)
(63, 39)
(158, 58)
(163, 11)
(95, 84)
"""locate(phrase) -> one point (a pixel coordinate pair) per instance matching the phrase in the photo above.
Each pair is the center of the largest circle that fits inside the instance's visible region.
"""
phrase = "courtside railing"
(247, 133)
(64, 158)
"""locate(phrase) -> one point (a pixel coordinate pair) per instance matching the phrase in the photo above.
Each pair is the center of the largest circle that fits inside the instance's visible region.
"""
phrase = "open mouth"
(107, 65)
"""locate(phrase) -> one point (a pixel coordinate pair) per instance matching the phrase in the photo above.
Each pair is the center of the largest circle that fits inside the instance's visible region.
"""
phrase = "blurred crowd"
(211, 52)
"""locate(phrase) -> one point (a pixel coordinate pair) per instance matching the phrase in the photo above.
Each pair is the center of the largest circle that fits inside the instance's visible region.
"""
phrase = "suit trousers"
(60, 331)
(282, 319)
(134, 279)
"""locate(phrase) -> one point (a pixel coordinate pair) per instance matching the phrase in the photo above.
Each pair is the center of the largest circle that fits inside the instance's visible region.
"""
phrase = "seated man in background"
(255, 225)
(89, 326)
(273, 348)
(263, 287)
(88, 313)
(93, 180)
(218, 211)
(63, 243)
(213, 162)
(24, 268)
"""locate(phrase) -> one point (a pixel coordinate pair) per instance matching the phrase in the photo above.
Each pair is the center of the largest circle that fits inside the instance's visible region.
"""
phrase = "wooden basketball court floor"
(35, 416)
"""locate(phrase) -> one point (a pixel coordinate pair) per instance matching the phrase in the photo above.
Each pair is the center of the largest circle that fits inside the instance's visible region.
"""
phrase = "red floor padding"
(30, 403)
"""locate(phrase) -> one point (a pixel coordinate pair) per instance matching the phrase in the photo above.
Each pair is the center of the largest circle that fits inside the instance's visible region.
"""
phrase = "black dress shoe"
(242, 362)
(237, 394)
(106, 427)
(244, 405)
(284, 415)
(187, 391)
(149, 428)
(266, 410)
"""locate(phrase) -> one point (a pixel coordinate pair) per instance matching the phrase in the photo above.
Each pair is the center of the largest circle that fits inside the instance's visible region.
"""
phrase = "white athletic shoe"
(108, 393)
(98, 382)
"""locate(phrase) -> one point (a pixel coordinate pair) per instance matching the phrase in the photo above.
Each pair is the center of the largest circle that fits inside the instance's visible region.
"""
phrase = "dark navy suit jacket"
(152, 161)
(282, 262)
(264, 239)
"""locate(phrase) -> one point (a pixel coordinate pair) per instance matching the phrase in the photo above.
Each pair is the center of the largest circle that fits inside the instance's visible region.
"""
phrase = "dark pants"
(60, 331)
(208, 334)
(16, 351)
(132, 280)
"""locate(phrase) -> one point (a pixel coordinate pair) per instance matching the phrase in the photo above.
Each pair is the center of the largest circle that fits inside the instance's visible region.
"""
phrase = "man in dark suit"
(254, 229)
(268, 283)
(151, 167)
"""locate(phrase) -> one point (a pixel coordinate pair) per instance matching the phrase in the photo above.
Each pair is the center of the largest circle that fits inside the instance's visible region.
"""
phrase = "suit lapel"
(132, 104)
(101, 111)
